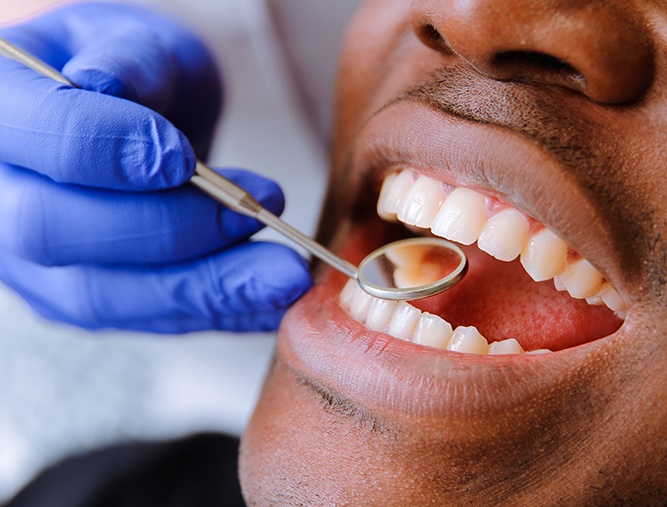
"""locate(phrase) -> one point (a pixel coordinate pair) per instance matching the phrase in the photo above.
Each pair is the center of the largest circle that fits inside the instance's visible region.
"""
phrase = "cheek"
(276, 449)
(286, 450)
(298, 451)
(368, 58)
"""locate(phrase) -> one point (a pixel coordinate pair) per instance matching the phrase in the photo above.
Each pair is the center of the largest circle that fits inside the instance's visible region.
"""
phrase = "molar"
(608, 295)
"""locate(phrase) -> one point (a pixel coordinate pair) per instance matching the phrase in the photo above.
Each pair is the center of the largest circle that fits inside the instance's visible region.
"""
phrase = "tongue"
(502, 301)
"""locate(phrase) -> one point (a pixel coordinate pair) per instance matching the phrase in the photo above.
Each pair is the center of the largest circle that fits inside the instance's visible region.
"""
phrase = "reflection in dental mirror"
(412, 269)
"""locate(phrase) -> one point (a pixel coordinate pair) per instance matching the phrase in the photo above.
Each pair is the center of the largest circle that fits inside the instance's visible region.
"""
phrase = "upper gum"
(493, 204)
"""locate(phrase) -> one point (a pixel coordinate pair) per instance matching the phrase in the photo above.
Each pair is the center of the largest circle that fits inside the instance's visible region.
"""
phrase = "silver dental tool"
(403, 270)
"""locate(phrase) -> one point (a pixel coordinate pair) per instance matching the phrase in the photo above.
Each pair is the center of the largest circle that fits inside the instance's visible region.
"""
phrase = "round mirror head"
(413, 268)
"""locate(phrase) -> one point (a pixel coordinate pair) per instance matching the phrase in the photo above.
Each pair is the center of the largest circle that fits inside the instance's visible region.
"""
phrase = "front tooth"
(347, 293)
(510, 346)
(360, 304)
(433, 331)
(403, 321)
(393, 191)
(580, 279)
(422, 202)
(469, 340)
(380, 313)
(505, 235)
(544, 256)
(462, 217)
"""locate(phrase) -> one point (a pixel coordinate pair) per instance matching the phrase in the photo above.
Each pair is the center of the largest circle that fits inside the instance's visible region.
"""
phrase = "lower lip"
(382, 374)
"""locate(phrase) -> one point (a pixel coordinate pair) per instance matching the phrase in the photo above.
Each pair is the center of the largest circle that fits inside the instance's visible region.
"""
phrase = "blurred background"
(64, 391)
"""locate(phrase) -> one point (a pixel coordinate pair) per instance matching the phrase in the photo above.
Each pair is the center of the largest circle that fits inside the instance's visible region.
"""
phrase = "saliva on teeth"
(405, 322)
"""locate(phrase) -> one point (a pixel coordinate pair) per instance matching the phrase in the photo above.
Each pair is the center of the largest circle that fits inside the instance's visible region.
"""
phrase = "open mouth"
(526, 290)
(434, 174)
(533, 239)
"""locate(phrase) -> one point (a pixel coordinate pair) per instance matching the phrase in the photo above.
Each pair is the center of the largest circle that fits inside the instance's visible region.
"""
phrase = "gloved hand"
(98, 229)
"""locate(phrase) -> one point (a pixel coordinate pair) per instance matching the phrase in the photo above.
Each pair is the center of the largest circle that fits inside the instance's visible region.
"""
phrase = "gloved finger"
(87, 138)
(55, 224)
(132, 53)
(168, 71)
(247, 288)
(128, 64)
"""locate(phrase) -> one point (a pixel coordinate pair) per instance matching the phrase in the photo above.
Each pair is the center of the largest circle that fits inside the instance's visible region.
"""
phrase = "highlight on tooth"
(505, 234)
(580, 279)
(465, 216)
(422, 203)
(468, 340)
(509, 346)
(462, 217)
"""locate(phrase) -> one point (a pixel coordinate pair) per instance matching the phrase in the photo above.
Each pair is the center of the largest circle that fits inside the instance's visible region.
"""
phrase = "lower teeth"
(405, 322)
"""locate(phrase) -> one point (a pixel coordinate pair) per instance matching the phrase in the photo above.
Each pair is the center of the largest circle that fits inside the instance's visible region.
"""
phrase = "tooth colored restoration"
(465, 216)
(405, 322)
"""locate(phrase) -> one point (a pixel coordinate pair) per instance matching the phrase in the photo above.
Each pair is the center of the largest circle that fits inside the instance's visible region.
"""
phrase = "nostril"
(534, 60)
(431, 37)
(534, 65)
(603, 50)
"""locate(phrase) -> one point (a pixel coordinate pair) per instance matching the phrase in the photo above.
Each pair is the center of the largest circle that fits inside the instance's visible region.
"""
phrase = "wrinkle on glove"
(53, 224)
(87, 138)
(247, 288)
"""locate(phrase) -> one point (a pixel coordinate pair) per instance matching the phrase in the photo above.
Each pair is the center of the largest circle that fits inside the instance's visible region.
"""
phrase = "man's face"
(535, 131)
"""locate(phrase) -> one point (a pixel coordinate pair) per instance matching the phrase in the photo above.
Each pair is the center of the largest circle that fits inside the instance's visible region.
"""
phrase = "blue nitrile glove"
(97, 228)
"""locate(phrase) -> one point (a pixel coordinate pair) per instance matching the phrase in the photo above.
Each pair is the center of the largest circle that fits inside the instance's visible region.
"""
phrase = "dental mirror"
(404, 270)
(420, 267)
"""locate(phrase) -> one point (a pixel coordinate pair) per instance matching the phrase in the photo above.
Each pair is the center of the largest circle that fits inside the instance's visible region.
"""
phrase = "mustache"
(525, 108)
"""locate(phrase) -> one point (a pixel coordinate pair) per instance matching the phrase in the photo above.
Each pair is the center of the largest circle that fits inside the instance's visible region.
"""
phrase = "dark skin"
(556, 108)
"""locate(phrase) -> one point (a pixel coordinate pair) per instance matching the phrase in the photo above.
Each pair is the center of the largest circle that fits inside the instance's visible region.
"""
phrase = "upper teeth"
(466, 216)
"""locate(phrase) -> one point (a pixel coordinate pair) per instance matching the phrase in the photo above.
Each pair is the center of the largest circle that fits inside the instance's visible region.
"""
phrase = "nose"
(598, 48)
